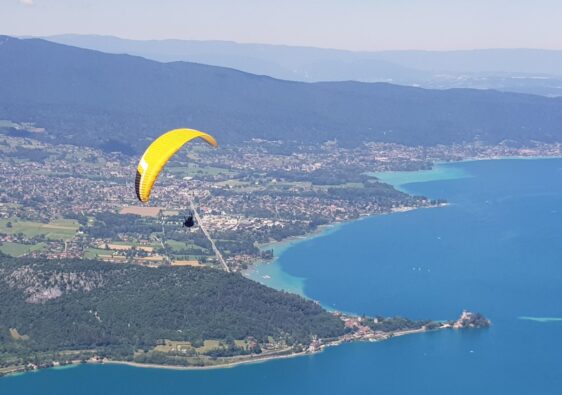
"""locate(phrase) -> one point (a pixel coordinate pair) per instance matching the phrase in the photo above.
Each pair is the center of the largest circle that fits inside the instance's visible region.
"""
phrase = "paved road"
(215, 249)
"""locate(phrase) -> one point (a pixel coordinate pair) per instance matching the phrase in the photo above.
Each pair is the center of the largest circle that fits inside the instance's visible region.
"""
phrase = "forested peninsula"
(71, 311)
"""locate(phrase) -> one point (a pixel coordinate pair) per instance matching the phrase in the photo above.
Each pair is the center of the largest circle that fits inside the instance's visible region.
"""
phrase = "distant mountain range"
(88, 97)
(518, 70)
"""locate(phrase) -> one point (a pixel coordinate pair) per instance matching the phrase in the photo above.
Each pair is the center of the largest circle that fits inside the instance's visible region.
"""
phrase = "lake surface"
(497, 249)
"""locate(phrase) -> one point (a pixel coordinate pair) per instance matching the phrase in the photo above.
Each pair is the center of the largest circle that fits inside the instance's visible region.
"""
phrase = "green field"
(61, 229)
(208, 345)
(93, 253)
(178, 245)
(17, 249)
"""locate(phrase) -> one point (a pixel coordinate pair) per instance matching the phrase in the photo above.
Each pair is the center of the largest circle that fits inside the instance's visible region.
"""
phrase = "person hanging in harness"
(189, 221)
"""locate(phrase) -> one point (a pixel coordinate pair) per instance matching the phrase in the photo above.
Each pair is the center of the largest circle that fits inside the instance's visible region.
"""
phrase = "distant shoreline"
(281, 245)
(509, 157)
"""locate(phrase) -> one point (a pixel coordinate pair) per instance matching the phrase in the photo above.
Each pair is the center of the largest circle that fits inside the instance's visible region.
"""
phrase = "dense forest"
(116, 102)
(52, 306)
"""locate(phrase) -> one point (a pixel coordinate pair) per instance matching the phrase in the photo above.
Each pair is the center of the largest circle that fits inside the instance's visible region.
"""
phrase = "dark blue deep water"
(497, 249)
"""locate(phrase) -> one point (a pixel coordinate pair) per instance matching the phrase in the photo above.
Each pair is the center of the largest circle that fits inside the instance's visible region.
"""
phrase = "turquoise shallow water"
(439, 172)
(272, 273)
(496, 249)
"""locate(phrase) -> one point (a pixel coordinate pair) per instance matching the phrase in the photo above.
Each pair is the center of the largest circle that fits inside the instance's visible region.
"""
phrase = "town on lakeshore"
(65, 201)
(265, 197)
(75, 204)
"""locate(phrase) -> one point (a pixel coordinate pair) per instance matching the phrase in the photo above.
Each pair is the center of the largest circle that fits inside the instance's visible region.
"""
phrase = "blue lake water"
(497, 249)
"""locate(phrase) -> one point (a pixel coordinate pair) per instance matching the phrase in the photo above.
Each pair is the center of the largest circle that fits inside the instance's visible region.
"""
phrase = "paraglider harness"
(189, 221)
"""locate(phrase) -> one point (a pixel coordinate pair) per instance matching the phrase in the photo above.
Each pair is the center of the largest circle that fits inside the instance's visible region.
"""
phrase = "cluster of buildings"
(256, 189)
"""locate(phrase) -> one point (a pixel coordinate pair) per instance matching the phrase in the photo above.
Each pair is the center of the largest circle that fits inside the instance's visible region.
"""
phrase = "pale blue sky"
(346, 24)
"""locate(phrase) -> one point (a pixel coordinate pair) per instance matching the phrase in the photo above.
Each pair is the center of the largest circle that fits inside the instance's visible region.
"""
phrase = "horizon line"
(300, 46)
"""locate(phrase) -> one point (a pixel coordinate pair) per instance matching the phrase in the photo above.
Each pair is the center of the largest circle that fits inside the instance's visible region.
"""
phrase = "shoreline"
(320, 231)
(361, 333)
(499, 157)
(257, 359)
(279, 247)
(226, 365)
(20, 370)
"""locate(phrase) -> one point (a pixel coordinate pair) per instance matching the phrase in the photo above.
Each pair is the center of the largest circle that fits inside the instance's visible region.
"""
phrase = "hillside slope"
(84, 305)
(87, 97)
(533, 71)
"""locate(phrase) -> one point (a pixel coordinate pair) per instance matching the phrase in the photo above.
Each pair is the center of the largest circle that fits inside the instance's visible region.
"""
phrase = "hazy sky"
(347, 24)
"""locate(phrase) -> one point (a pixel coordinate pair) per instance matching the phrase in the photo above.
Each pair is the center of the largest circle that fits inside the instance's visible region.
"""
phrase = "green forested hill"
(56, 305)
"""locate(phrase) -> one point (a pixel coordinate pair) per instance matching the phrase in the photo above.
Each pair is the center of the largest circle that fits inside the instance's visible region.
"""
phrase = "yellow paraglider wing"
(159, 153)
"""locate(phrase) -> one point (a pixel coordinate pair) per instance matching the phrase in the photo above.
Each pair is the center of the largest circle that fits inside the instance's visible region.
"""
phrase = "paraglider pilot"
(189, 222)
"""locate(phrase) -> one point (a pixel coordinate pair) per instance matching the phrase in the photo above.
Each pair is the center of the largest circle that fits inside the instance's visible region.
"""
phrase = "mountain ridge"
(523, 70)
(406, 58)
(88, 97)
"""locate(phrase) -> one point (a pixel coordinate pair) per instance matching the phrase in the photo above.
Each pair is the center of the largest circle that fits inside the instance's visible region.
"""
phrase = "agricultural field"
(60, 229)
(142, 211)
(178, 245)
(94, 253)
(18, 249)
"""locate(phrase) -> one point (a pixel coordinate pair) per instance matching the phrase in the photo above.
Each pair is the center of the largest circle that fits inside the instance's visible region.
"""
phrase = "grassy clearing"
(16, 335)
(241, 343)
(93, 253)
(173, 346)
(63, 223)
(17, 250)
(61, 229)
(126, 247)
(179, 245)
(208, 345)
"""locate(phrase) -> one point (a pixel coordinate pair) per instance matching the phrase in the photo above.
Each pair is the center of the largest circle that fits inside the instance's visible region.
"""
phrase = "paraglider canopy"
(159, 153)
